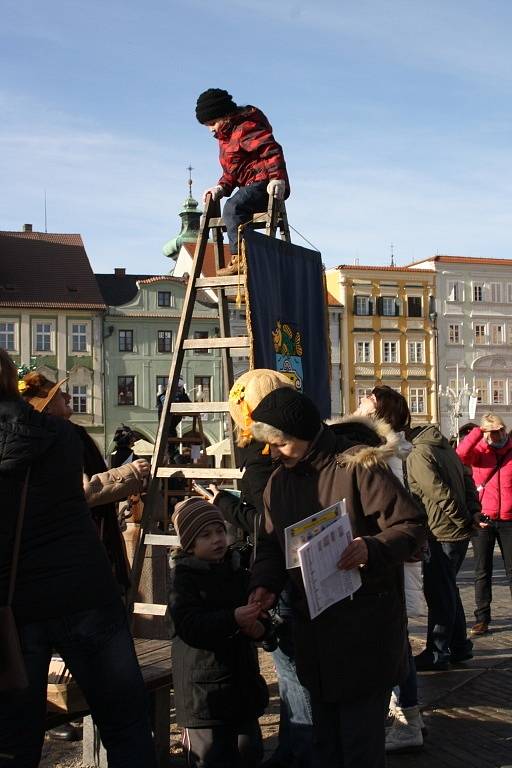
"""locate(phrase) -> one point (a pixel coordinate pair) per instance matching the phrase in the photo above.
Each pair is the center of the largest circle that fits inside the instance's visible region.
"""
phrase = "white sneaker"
(405, 734)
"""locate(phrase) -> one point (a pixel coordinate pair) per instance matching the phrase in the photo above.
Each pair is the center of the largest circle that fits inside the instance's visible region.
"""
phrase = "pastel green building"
(139, 333)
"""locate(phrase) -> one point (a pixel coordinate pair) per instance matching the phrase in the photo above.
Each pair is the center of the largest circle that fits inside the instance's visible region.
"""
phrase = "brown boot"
(234, 266)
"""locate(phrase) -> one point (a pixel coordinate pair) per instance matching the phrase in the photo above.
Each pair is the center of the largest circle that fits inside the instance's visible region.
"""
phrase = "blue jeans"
(446, 631)
(98, 649)
(407, 690)
(296, 723)
(240, 208)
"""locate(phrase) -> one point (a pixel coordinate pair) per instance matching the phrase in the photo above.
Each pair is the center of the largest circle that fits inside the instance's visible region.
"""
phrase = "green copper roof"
(190, 218)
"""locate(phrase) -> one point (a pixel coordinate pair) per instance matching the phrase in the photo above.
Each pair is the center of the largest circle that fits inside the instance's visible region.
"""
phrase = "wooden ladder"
(271, 220)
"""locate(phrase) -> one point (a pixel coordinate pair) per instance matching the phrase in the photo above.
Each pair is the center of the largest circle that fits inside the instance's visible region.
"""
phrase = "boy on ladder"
(251, 160)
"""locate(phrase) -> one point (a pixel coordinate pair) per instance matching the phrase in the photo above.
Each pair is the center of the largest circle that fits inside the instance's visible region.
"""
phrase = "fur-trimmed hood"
(381, 443)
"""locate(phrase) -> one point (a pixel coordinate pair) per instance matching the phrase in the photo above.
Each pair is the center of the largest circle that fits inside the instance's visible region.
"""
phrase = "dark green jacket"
(437, 477)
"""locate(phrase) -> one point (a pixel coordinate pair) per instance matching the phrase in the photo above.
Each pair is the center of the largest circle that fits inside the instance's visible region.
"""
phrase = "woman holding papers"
(351, 655)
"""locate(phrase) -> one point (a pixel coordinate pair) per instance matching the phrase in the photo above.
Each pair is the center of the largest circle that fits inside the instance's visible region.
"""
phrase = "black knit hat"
(191, 516)
(289, 411)
(214, 103)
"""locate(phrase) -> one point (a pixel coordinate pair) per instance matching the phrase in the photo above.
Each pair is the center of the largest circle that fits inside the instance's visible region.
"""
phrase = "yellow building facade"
(388, 334)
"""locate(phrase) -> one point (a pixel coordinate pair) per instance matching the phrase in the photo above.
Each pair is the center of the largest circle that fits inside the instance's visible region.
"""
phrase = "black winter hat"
(291, 412)
(214, 103)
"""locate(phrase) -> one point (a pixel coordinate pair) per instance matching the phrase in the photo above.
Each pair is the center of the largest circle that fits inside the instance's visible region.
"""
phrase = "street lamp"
(456, 398)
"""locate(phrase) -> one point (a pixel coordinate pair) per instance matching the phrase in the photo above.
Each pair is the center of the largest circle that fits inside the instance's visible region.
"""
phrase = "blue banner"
(287, 314)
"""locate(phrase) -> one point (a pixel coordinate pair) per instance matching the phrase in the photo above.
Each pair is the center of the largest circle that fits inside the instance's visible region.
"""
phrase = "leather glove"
(216, 192)
(276, 188)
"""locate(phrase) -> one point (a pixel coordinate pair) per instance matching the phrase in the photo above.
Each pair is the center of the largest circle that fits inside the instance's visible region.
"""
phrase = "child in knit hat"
(251, 160)
(218, 691)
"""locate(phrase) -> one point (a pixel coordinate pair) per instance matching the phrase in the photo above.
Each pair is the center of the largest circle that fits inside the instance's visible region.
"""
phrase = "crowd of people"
(414, 502)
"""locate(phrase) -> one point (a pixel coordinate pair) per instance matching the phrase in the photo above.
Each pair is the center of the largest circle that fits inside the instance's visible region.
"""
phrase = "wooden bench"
(155, 663)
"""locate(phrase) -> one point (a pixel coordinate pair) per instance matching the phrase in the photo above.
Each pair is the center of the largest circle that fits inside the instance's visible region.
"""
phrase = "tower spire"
(392, 255)
(189, 169)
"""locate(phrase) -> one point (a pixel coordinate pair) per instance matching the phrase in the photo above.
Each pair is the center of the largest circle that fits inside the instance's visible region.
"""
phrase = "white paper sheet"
(303, 531)
(324, 583)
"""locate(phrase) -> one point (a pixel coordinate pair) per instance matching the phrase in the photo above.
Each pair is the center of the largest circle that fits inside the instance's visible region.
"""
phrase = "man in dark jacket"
(251, 159)
(437, 477)
(351, 655)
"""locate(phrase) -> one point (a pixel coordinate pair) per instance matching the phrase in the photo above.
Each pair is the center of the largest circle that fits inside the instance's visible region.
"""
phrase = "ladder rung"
(150, 609)
(200, 472)
(216, 222)
(229, 342)
(220, 282)
(161, 540)
(194, 408)
(185, 440)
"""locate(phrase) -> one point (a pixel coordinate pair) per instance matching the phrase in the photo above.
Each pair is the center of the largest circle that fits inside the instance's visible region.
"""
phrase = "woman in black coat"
(65, 598)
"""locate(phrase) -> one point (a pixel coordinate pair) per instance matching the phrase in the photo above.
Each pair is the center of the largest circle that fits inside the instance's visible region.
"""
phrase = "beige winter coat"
(113, 485)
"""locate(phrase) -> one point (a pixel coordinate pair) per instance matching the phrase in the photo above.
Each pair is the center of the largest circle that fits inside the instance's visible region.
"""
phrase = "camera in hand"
(270, 640)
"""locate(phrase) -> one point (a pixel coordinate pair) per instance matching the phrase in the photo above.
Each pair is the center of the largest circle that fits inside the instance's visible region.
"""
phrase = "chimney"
(26, 228)
(119, 271)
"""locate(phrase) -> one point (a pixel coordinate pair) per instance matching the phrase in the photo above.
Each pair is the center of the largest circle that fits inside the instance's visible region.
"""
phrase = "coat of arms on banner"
(288, 348)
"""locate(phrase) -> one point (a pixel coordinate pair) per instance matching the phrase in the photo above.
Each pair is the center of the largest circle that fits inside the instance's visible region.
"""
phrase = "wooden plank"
(221, 282)
(163, 540)
(215, 406)
(150, 609)
(213, 342)
(200, 472)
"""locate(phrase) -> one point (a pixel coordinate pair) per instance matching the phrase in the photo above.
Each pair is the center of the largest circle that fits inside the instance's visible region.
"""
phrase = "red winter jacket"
(495, 490)
(248, 152)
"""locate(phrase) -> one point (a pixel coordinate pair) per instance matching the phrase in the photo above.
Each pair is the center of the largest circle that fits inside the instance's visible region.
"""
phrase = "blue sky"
(395, 117)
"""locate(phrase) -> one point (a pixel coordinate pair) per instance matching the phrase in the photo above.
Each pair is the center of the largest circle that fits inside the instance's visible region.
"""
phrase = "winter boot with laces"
(405, 734)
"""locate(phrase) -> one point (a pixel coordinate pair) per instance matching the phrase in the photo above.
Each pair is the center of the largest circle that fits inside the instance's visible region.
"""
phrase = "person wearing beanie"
(251, 160)
(487, 449)
(218, 690)
(295, 739)
(351, 655)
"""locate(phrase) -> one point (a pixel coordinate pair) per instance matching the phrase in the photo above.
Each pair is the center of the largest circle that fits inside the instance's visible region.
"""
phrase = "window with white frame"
(414, 306)
(482, 391)
(126, 390)
(79, 398)
(362, 305)
(164, 341)
(495, 292)
(454, 333)
(43, 336)
(390, 351)
(415, 351)
(79, 340)
(509, 292)
(8, 334)
(455, 290)
(479, 333)
(478, 292)
(388, 306)
(362, 392)
(497, 333)
(166, 299)
(498, 391)
(417, 400)
(509, 334)
(363, 351)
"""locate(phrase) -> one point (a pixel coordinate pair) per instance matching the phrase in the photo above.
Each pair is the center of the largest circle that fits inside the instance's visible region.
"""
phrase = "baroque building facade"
(387, 334)
(51, 316)
(474, 329)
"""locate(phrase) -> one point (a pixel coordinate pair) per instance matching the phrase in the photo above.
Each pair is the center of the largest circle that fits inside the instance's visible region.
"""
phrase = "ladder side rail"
(225, 331)
(172, 386)
(284, 226)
